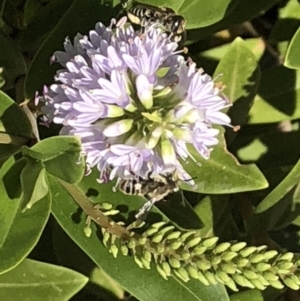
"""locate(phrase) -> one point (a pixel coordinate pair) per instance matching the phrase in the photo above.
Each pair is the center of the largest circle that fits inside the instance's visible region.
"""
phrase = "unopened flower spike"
(110, 93)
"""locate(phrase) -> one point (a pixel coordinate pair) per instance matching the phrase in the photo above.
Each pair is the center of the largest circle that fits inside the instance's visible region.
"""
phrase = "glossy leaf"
(279, 95)
(223, 174)
(12, 62)
(89, 12)
(274, 206)
(152, 285)
(34, 183)
(15, 127)
(241, 76)
(18, 229)
(244, 10)
(32, 280)
(60, 156)
(35, 15)
(249, 295)
(292, 59)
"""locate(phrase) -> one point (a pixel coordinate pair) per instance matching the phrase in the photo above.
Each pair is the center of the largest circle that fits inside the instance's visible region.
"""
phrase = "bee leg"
(143, 212)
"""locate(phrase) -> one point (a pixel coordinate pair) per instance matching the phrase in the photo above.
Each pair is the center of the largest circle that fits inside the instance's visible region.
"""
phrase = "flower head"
(135, 103)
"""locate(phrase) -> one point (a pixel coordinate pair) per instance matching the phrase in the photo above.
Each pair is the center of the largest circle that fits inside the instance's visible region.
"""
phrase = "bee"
(147, 15)
(153, 187)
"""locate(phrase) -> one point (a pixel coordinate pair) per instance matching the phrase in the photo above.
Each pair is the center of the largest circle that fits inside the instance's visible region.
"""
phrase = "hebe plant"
(231, 236)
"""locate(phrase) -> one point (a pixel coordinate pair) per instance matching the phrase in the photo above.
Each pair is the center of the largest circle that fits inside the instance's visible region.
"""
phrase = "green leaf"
(278, 202)
(60, 156)
(154, 287)
(222, 173)
(244, 10)
(33, 281)
(35, 15)
(241, 76)
(34, 183)
(87, 13)
(12, 62)
(279, 95)
(19, 232)
(249, 295)
(256, 45)
(15, 128)
(292, 59)
(214, 212)
(198, 13)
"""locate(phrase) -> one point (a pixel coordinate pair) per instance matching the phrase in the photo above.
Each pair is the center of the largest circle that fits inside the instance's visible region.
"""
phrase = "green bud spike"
(203, 265)
(106, 238)
(242, 262)
(142, 241)
(174, 263)
(258, 284)
(286, 256)
(146, 263)
(228, 268)
(184, 255)
(257, 258)
(215, 260)
(87, 231)
(290, 283)
(186, 235)
(261, 248)
(270, 276)
(263, 281)
(158, 225)
(173, 235)
(222, 276)
(165, 230)
(199, 250)
(176, 245)
(114, 251)
(242, 281)
(238, 246)
(250, 274)
(228, 255)
(210, 242)
(106, 206)
(131, 244)
(210, 277)
(277, 284)
(111, 212)
(193, 272)
(138, 261)
(262, 266)
(124, 250)
(166, 268)
(247, 251)
(151, 231)
(181, 275)
(230, 283)
(270, 254)
(202, 278)
(161, 272)
(222, 247)
(160, 249)
(284, 265)
(295, 279)
(147, 255)
(193, 242)
(157, 238)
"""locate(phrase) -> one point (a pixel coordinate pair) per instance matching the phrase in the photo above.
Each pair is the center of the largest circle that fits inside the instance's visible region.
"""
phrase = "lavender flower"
(134, 101)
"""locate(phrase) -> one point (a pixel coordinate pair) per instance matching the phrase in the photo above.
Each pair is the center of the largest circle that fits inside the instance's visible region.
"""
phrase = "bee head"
(177, 24)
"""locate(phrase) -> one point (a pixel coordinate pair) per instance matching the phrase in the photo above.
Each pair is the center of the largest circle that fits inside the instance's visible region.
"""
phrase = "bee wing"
(144, 210)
